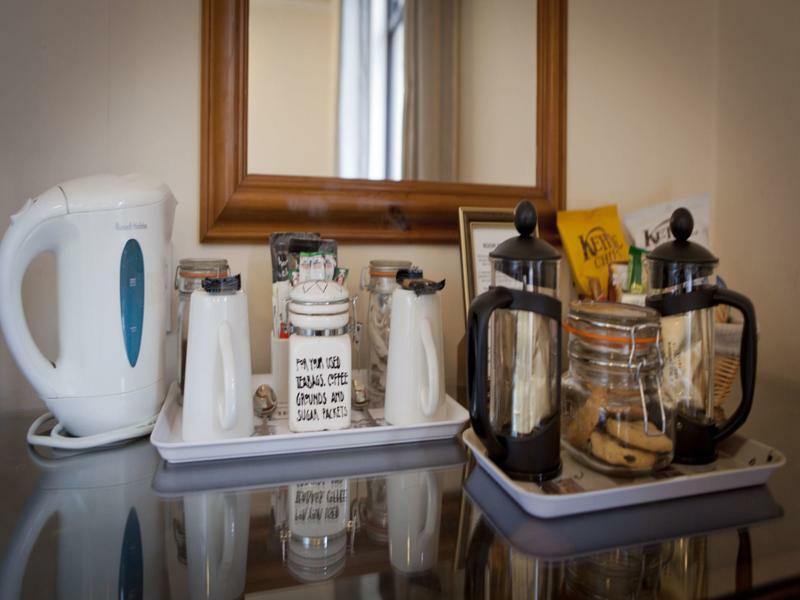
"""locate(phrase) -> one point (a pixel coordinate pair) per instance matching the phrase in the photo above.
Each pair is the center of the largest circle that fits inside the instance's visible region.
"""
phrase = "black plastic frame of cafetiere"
(534, 457)
(696, 443)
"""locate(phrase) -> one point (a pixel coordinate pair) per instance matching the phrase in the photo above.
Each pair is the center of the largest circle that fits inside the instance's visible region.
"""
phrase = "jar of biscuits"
(614, 416)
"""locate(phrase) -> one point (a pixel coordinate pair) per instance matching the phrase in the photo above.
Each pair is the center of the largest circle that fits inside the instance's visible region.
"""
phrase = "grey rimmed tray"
(742, 463)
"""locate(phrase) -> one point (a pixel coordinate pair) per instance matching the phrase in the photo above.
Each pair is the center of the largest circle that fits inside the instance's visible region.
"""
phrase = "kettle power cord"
(59, 438)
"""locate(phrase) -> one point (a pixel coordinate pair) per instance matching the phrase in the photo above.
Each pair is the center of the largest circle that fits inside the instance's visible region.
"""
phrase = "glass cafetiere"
(514, 355)
(682, 287)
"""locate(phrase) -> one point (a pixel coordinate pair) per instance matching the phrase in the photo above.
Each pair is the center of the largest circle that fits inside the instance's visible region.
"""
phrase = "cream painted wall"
(292, 87)
(640, 101)
(757, 212)
(94, 86)
(110, 85)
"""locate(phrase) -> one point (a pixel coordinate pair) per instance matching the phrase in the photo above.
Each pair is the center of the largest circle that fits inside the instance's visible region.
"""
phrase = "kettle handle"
(747, 359)
(34, 229)
(227, 410)
(480, 311)
(430, 402)
(37, 512)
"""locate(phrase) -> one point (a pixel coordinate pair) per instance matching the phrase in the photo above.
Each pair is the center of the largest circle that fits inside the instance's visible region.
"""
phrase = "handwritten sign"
(319, 383)
(319, 508)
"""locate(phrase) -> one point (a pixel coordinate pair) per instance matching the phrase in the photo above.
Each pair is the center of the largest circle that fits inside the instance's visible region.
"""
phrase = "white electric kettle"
(110, 236)
(109, 539)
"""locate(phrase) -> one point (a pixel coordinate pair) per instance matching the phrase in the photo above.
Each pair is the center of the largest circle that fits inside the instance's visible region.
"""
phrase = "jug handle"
(363, 282)
(431, 400)
(432, 505)
(26, 238)
(480, 311)
(747, 359)
(229, 533)
(227, 410)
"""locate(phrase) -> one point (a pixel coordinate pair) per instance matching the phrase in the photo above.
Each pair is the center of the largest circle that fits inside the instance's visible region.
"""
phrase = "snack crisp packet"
(592, 239)
(649, 227)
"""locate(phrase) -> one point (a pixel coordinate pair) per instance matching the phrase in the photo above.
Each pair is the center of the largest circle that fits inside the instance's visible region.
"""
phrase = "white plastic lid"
(113, 192)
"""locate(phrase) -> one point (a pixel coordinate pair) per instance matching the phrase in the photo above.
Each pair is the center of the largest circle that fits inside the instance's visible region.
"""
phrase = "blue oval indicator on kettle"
(131, 298)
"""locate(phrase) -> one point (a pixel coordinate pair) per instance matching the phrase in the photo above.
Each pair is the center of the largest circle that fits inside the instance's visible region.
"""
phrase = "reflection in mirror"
(436, 90)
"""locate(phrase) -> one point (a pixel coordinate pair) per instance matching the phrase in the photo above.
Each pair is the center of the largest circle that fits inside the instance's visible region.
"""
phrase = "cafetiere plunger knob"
(525, 218)
(681, 224)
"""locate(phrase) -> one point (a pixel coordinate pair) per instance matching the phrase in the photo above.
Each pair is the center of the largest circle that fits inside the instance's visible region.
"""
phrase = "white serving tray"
(274, 437)
(250, 473)
(742, 463)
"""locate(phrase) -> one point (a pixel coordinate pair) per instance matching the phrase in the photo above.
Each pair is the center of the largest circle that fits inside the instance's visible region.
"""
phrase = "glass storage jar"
(189, 277)
(380, 280)
(614, 416)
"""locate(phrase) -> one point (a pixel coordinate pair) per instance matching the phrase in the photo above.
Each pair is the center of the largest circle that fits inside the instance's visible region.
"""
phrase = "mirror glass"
(433, 90)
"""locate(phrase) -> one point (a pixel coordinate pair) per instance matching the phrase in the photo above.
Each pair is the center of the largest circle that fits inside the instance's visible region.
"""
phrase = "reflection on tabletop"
(393, 522)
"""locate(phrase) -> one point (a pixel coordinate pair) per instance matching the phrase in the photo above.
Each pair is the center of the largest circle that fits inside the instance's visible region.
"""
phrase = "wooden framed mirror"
(400, 202)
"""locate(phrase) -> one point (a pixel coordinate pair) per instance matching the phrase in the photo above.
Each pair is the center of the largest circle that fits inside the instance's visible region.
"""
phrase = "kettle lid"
(526, 246)
(113, 192)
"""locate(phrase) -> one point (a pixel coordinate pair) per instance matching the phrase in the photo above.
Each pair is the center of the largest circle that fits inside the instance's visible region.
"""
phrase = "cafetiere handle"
(747, 359)
(480, 312)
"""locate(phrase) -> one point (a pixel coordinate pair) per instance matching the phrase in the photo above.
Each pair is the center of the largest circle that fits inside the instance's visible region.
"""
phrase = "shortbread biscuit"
(609, 450)
(583, 421)
(631, 433)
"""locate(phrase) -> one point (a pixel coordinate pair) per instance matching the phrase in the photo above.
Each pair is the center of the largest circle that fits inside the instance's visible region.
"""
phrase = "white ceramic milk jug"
(414, 502)
(217, 400)
(415, 377)
(110, 237)
(217, 526)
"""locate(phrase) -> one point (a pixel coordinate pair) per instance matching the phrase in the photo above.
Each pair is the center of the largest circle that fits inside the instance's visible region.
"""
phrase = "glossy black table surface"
(408, 522)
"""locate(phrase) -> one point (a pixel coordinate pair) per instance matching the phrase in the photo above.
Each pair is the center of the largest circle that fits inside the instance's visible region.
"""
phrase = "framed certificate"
(480, 231)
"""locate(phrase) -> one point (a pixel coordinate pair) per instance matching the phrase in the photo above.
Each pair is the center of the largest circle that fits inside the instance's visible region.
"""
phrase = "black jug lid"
(526, 246)
(411, 279)
(223, 285)
(680, 249)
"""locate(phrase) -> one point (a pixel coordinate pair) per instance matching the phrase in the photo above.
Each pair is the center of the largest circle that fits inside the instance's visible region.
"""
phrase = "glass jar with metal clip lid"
(614, 416)
(189, 276)
(380, 280)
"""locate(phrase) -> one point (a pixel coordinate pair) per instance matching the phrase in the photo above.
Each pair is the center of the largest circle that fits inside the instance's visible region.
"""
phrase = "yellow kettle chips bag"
(592, 239)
